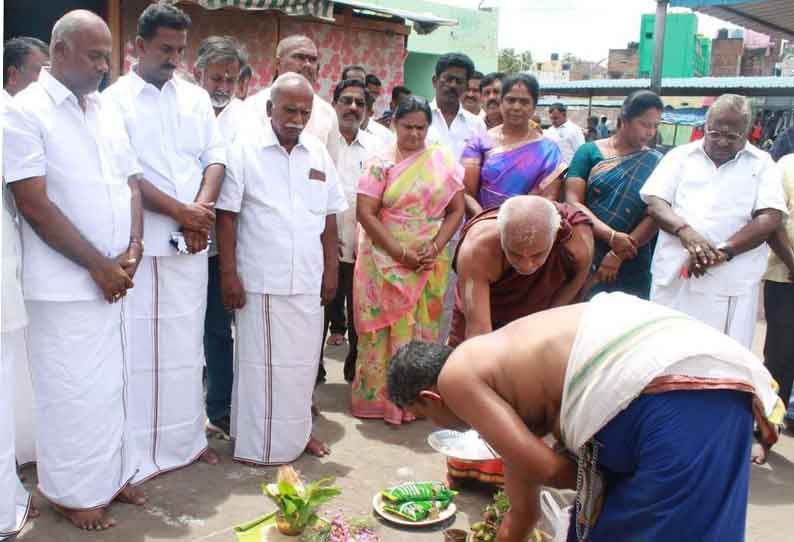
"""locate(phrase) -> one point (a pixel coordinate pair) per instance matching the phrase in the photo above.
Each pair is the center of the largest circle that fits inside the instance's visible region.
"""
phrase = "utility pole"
(658, 45)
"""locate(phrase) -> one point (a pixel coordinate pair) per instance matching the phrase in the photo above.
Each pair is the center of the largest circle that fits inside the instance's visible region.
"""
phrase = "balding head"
(528, 227)
(290, 107)
(80, 50)
(297, 54)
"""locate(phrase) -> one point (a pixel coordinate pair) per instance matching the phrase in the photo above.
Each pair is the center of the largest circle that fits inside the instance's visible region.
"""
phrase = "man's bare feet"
(210, 457)
(88, 520)
(33, 511)
(131, 495)
(758, 453)
(315, 410)
(317, 448)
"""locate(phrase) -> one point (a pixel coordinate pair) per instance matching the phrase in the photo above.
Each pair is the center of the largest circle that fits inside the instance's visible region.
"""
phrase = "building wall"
(757, 62)
(419, 71)
(380, 52)
(475, 34)
(623, 63)
(726, 55)
(680, 45)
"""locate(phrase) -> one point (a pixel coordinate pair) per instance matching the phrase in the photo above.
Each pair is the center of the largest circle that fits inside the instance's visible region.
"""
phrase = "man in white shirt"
(23, 58)
(354, 148)
(175, 135)
(454, 127)
(299, 54)
(217, 70)
(568, 135)
(491, 91)
(717, 201)
(278, 247)
(74, 177)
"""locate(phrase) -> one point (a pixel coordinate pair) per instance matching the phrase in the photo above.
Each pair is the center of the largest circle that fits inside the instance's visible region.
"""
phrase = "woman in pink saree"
(410, 202)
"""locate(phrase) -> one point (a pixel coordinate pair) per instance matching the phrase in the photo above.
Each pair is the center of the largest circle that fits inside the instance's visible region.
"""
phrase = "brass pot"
(285, 527)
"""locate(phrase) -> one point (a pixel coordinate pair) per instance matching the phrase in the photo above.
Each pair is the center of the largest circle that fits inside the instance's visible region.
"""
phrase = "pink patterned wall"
(382, 53)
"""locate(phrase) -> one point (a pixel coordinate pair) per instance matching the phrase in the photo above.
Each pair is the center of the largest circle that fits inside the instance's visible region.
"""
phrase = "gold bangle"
(611, 237)
(402, 257)
(435, 247)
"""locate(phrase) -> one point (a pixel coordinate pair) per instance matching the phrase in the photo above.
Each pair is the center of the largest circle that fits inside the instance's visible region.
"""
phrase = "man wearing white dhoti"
(716, 201)
(15, 502)
(73, 174)
(279, 266)
(23, 58)
(175, 135)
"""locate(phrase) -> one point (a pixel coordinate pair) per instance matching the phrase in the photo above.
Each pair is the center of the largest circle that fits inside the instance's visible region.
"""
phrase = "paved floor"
(202, 503)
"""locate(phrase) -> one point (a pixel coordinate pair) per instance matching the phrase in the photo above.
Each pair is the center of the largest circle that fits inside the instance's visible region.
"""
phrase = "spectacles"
(348, 101)
(730, 137)
(453, 80)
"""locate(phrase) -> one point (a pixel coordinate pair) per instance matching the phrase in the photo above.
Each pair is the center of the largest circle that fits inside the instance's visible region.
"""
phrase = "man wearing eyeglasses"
(453, 127)
(716, 200)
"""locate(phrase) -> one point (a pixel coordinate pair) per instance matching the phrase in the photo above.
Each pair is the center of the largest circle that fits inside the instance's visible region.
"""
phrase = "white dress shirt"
(715, 202)
(349, 160)
(455, 136)
(231, 120)
(323, 121)
(12, 312)
(282, 200)
(176, 136)
(384, 137)
(568, 136)
(86, 159)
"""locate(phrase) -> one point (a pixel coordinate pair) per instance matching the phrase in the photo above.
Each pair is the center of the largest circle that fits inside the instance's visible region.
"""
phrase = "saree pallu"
(613, 195)
(514, 170)
(394, 304)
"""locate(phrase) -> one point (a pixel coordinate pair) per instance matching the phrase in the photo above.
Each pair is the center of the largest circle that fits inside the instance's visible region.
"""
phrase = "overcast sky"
(586, 28)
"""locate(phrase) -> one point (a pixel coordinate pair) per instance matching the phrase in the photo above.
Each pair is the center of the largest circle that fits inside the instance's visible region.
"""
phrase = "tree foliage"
(512, 61)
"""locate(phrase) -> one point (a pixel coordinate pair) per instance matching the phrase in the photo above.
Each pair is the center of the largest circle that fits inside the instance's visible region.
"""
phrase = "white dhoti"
(733, 315)
(78, 365)
(277, 352)
(14, 499)
(25, 421)
(167, 309)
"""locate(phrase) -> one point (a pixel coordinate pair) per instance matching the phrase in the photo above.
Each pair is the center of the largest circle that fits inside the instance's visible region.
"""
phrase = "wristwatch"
(726, 248)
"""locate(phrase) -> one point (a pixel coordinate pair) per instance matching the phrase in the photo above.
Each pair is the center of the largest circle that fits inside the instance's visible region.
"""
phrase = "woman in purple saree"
(514, 158)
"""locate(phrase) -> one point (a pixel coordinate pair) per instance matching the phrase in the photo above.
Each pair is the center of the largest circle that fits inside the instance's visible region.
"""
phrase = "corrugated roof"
(772, 17)
(423, 23)
(677, 86)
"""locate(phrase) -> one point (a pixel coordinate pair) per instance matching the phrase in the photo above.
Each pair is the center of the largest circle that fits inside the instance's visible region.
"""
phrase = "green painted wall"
(475, 35)
(419, 70)
(682, 46)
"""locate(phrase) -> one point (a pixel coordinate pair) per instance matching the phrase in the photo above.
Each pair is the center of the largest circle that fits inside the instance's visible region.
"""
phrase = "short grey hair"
(520, 218)
(72, 22)
(735, 103)
(290, 42)
(288, 79)
(220, 49)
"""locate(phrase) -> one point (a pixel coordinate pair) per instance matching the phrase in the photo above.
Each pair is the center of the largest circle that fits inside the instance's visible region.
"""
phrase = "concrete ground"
(202, 503)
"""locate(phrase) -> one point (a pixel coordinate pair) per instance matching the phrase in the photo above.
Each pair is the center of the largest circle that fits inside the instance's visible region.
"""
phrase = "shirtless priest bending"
(657, 407)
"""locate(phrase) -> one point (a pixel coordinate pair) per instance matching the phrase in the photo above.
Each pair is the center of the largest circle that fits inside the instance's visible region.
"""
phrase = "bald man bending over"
(277, 239)
(653, 403)
(74, 176)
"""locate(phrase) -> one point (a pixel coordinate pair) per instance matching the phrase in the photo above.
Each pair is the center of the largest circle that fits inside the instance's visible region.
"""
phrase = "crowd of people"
(178, 227)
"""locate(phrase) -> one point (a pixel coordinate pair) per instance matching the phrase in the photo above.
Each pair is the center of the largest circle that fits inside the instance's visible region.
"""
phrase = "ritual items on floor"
(297, 503)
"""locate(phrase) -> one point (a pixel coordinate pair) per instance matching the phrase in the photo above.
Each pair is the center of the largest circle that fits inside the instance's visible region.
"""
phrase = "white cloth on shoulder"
(623, 343)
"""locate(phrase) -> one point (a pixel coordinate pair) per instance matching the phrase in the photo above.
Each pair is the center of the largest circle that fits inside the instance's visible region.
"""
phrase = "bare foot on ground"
(131, 495)
(33, 511)
(758, 453)
(315, 410)
(317, 448)
(88, 520)
(210, 457)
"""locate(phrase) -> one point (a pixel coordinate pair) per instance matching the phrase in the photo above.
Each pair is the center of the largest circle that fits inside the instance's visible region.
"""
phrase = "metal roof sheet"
(772, 17)
(677, 86)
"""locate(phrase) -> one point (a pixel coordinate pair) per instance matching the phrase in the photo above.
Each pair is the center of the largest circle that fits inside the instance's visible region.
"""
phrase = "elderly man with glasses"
(717, 201)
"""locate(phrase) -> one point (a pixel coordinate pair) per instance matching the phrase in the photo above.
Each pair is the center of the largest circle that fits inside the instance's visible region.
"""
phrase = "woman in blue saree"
(604, 180)
(513, 158)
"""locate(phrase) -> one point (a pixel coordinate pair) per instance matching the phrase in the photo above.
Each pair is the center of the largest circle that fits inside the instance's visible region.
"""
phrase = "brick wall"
(623, 63)
(726, 57)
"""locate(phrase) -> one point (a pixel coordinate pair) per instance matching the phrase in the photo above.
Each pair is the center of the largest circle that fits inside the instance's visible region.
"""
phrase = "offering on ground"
(297, 503)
